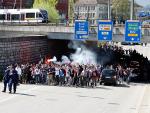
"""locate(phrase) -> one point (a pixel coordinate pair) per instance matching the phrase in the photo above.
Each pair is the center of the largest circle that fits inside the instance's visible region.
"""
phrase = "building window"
(92, 22)
(101, 8)
(92, 7)
(93, 15)
(86, 15)
(86, 8)
(76, 8)
(90, 15)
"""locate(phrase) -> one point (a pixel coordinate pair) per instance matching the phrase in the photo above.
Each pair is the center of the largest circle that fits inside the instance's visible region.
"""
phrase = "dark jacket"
(6, 77)
(14, 78)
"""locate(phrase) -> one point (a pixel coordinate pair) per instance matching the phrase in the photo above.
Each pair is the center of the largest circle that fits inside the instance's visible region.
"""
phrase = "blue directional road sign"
(133, 31)
(105, 30)
(81, 29)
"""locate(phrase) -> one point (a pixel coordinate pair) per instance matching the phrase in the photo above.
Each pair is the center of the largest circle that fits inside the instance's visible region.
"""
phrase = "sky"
(143, 2)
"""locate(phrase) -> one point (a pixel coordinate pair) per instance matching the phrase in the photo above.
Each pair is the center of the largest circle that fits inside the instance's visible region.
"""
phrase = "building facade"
(15, 4)
(91, 10)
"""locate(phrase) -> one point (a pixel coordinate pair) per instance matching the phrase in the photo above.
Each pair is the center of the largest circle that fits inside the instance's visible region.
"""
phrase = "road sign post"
(105, 30)
(133, 31)
(81, 29)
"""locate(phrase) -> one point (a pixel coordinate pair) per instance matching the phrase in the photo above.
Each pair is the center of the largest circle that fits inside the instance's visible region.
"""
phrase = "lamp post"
(88, 10)
(109, 10)
(131, 9)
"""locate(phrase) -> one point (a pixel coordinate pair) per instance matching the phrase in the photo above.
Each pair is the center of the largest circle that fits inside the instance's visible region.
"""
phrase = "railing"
(59, 22)
(118, 28)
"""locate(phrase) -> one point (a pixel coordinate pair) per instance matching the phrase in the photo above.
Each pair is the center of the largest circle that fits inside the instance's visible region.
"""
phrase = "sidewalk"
(145, 105)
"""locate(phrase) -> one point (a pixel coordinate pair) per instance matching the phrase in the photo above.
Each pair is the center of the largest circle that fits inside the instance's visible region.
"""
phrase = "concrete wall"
(36, 28)
(22, 49)
(64, 32)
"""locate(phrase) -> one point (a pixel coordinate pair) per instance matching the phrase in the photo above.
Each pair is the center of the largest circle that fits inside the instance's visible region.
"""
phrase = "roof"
(81, 2)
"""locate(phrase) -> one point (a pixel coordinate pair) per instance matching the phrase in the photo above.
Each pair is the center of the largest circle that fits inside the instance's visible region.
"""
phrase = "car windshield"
(108, 72)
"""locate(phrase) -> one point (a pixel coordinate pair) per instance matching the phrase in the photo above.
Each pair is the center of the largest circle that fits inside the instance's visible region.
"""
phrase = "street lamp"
(131, 9)
(109, 10)
(88, 12)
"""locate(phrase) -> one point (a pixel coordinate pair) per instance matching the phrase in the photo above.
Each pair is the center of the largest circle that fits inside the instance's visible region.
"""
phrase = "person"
(37, 75)
(6, 79)
(50, 77)
(19, 71)
(14, 79)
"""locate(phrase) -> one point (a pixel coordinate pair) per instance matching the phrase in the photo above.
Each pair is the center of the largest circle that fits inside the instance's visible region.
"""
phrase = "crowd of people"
(64, 74)
(76, 74)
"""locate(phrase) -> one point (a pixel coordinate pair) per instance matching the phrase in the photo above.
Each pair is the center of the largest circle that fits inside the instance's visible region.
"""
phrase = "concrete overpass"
(67, 33)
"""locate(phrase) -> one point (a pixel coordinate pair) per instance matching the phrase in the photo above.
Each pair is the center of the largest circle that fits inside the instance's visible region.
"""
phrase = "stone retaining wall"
(22, 49)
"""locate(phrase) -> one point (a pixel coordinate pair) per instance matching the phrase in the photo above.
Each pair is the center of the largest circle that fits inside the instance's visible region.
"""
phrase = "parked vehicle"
(109, 76)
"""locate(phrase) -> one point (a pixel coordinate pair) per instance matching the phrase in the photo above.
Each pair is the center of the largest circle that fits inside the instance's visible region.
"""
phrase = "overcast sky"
(143, 2)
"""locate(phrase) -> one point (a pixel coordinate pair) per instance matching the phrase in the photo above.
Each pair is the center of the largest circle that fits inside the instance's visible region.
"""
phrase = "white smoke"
(82, 55)
(65, 60)
(54, 59)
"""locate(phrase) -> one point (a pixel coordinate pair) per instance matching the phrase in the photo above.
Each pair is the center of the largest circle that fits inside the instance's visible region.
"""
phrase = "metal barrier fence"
(62, 22)
(70, 23)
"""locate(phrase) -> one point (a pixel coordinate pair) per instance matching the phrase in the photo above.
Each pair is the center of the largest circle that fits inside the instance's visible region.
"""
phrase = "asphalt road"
(52, 99)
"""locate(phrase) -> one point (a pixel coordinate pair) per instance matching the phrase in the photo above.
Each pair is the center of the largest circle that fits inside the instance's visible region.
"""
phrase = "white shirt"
(19, 71)
(37, 71)
(56, 71)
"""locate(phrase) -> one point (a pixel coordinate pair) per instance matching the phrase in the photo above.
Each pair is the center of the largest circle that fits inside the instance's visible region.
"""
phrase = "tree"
(71, 10)
(121, 8)
(48, 5)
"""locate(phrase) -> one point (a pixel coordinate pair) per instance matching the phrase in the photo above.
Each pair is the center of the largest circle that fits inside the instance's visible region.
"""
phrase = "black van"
(109, 76)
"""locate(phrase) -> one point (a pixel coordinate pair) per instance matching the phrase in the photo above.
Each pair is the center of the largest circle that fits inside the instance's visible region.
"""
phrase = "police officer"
(6, 78)
(13, 81)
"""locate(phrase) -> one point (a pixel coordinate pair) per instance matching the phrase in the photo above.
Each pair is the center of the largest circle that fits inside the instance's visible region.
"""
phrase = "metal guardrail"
(93, 28)
(59, 22)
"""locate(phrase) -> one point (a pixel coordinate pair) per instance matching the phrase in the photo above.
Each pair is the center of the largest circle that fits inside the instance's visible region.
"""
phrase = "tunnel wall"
(22, 50)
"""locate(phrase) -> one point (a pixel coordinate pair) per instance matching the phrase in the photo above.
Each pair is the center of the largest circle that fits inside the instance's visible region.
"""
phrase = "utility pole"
(20, 4)
(88, 13)
(109, 10)
(132, 10)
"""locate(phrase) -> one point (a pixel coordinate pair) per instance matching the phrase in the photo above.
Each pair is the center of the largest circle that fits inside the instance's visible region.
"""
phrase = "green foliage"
(121, 8)
(48, 5)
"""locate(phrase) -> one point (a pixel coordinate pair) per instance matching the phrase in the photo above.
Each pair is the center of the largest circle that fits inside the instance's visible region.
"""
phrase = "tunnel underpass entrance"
(58, 48)
(81, 50)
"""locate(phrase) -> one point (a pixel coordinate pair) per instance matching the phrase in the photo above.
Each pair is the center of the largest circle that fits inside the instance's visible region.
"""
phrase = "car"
(109, 76)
